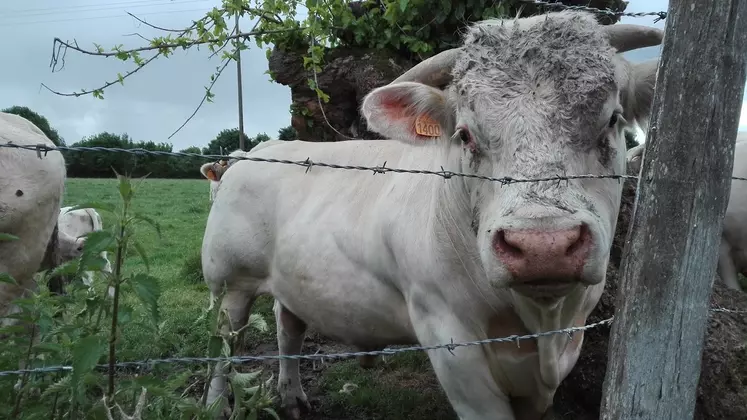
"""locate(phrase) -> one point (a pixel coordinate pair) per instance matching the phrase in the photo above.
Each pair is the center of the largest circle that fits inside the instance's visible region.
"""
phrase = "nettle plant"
(81, 328)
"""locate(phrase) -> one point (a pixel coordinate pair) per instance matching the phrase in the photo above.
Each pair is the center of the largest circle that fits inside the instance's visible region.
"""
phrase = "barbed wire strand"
(343, 355)
(308, 164)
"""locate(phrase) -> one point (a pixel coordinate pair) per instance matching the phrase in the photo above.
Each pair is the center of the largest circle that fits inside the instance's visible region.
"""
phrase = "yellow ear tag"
(427, 126)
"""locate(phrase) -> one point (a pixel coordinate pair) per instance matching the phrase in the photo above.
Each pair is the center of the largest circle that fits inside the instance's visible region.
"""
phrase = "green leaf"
(146, 219)
(7, 237)
(403, 4)
(94, 262)
(7, 278)
(125, 314)
(86, 353)
(125, 187)
(60, 386)
(245, 380)
(271, 412)
(141, 251)
(148, 290)
(97, 241)
(67, 268)
(49, 348)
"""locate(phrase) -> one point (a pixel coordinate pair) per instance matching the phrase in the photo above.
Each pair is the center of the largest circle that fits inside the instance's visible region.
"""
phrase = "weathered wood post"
(671, 250)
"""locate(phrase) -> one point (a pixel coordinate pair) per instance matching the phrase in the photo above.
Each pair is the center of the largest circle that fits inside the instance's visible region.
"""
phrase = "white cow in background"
(732, 258)
(76, 224)
(31, 190)
(377, 260)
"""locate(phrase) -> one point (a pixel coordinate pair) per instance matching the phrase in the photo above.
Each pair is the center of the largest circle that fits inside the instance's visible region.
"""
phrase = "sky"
(153, 103)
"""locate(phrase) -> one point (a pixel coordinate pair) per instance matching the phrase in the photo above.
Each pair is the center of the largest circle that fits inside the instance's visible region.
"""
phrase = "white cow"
(31, 189)
(376, 260)
(76, 224)
(733, 251)
(635, 155)
(732, 258)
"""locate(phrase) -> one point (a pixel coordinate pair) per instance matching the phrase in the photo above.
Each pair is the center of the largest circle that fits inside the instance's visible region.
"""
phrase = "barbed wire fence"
(41, 150)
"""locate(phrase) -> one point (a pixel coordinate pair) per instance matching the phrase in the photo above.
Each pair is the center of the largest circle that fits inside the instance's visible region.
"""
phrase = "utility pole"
(238, 82)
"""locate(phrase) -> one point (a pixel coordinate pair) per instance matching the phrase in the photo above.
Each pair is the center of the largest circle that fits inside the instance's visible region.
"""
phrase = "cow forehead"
(559, 64)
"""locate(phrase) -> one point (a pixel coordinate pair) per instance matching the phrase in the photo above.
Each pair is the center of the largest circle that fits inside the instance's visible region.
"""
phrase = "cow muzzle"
(544, 263)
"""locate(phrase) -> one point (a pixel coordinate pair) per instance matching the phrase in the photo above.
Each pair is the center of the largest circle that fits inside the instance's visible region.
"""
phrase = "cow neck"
(570, 311)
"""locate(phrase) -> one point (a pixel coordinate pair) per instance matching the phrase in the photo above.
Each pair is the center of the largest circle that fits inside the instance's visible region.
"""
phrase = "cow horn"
(626, 37)
(434, 71)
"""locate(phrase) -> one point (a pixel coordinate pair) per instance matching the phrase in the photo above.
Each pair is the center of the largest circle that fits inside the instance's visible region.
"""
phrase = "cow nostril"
(580, 239)
(503, 246)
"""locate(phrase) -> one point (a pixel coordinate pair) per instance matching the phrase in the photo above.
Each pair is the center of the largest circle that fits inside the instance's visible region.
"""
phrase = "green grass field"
(401, 387)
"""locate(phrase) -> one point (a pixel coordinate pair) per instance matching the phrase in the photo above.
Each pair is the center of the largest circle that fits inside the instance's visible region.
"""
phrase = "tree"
(259, 139)
(229, 140)
(37, 120)
(100, 164)
(287, 133)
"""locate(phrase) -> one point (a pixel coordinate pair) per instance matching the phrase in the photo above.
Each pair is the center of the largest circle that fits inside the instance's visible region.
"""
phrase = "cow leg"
(237, 303)
(291, 334)
(463, 372)
(727, 270)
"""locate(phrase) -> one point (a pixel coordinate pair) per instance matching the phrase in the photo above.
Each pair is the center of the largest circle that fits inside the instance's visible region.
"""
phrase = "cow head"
(529, 98)
(70, 247)
(214, 171)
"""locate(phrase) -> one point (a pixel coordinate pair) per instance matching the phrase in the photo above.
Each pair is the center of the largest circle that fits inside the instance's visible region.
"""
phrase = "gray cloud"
(154, 102)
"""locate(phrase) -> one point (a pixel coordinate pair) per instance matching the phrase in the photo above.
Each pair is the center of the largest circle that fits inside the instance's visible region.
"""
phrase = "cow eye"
(464, 135)
(613, 120)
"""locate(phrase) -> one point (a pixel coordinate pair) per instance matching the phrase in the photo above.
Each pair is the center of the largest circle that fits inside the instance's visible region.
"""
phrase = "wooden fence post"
(671, 250)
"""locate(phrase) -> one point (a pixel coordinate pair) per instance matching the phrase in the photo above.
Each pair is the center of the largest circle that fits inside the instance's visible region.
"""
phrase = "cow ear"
(408, 111)
(638, 95)
(207, 171)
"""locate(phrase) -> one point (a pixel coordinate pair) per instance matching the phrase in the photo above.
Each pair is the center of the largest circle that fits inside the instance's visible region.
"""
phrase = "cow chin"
(547, 290)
